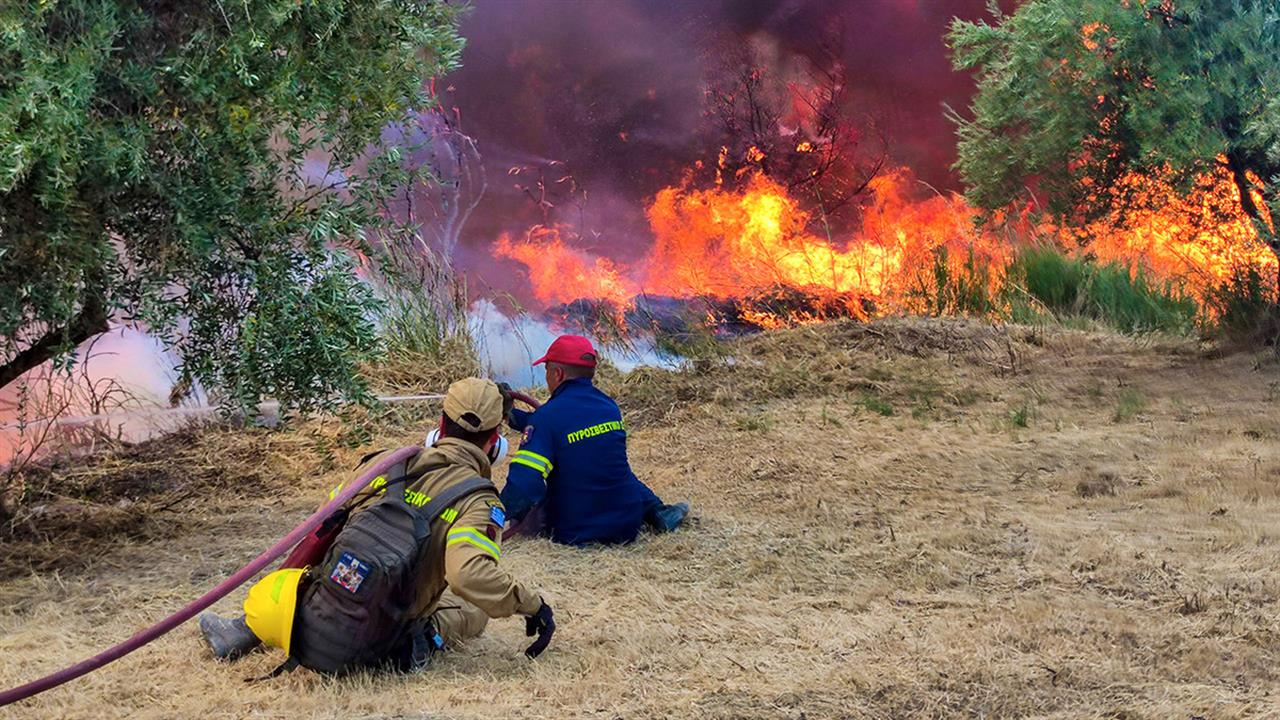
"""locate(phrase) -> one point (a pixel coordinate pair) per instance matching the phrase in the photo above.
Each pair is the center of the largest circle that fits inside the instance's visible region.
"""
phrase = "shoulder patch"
(497, 515)
(528, 433)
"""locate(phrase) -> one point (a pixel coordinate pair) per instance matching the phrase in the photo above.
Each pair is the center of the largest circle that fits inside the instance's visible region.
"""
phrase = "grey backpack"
(355, 608)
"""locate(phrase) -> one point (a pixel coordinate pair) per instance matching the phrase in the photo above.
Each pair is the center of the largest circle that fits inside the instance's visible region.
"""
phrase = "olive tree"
(210, 171)
(1075, 94)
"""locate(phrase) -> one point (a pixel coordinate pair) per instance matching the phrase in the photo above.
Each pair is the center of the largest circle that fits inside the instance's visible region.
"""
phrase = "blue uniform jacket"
(573, 457)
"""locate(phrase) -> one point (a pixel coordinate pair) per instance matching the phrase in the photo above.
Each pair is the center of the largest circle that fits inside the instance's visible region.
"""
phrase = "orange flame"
(1202, 238)
(730, 244)
(561, 274)
(742, 243)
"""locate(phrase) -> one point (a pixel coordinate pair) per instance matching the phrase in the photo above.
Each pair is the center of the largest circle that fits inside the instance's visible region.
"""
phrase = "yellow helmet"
(268, 609)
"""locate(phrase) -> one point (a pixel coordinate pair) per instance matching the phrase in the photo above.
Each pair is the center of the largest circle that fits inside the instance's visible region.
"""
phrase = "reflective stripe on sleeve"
(536, 457)
(533, 460)
(541, 470)
(473, 537)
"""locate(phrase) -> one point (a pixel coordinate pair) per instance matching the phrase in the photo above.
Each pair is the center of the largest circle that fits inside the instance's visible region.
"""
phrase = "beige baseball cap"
(474, 404)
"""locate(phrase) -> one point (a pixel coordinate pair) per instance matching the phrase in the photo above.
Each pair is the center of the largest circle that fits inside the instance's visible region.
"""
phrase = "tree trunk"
(90, 321)
(1239, 172)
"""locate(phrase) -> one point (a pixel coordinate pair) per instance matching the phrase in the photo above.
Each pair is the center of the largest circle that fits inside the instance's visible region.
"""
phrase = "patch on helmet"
(350, 572)
(528, 433)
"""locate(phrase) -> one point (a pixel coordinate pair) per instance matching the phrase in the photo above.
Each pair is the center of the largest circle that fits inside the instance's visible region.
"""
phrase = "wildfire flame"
(1202, 238)
(729, 244)
(561, 274)
(725, 244)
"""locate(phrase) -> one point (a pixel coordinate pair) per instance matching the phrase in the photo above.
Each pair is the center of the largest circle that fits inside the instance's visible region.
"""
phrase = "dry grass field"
(905, 519)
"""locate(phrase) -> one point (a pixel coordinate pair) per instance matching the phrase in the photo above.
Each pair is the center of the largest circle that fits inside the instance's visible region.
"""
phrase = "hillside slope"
(910, 518)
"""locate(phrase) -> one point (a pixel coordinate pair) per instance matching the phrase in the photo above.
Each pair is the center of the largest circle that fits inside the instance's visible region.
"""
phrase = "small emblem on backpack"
(349, 572)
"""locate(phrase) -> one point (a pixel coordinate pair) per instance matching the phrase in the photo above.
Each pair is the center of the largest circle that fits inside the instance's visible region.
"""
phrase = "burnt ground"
(912, 518)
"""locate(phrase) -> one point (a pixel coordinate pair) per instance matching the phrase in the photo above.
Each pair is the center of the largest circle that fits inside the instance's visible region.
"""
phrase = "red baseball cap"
(570, 350)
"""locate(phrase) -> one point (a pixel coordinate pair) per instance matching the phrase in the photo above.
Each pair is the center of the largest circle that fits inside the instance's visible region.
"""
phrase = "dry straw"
(900, 519)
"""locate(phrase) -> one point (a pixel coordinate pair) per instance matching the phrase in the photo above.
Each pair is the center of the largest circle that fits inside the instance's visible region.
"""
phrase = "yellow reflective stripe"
(536, 457)
(473, 536)
(517, 460)
(334, 492)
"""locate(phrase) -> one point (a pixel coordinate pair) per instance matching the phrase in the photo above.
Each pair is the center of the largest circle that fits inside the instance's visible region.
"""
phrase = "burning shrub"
(785, 305)
(961, 288)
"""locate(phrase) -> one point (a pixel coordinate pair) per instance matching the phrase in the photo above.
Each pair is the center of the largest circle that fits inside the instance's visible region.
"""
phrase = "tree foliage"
(209, 171)
(1075, 94)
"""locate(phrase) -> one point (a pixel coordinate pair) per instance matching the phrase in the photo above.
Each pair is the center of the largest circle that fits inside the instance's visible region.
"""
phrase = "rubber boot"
(229, 639)
(666, 518)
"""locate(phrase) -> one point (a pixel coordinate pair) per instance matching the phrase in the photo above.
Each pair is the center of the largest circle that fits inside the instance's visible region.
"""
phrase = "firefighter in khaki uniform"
(460, 582)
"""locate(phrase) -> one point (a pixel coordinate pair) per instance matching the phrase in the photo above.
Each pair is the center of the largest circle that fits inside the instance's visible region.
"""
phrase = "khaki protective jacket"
(466, 540)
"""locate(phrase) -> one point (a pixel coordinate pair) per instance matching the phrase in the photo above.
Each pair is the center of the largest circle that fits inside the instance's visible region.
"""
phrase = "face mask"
(496, 453)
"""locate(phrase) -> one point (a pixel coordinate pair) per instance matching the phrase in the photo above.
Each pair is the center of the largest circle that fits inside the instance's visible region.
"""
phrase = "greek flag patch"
(497, 515)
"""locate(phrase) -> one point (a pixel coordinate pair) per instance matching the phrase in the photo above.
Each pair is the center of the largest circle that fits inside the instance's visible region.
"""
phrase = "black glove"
(508, 402)
(541, 624)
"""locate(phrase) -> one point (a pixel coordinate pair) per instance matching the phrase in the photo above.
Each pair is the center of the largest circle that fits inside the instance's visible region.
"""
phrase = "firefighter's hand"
(541, 624)
(508, 402)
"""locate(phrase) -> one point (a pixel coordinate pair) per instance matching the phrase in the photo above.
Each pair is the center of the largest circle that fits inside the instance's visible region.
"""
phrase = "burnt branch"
(801, 133)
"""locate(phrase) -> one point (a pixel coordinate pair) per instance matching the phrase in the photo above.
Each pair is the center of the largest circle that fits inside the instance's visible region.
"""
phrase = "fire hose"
(223, 588)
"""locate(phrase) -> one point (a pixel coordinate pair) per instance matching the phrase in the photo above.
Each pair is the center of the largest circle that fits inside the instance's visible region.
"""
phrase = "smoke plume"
(613, 95)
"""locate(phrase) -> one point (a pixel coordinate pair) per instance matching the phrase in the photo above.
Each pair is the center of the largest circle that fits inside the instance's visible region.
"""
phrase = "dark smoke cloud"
(614, 90)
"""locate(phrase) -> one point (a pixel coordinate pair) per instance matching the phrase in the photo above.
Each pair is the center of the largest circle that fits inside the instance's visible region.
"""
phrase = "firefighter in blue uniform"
(571, 475)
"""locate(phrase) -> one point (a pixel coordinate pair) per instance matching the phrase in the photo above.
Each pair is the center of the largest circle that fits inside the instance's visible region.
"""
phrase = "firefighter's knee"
(458, 620)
